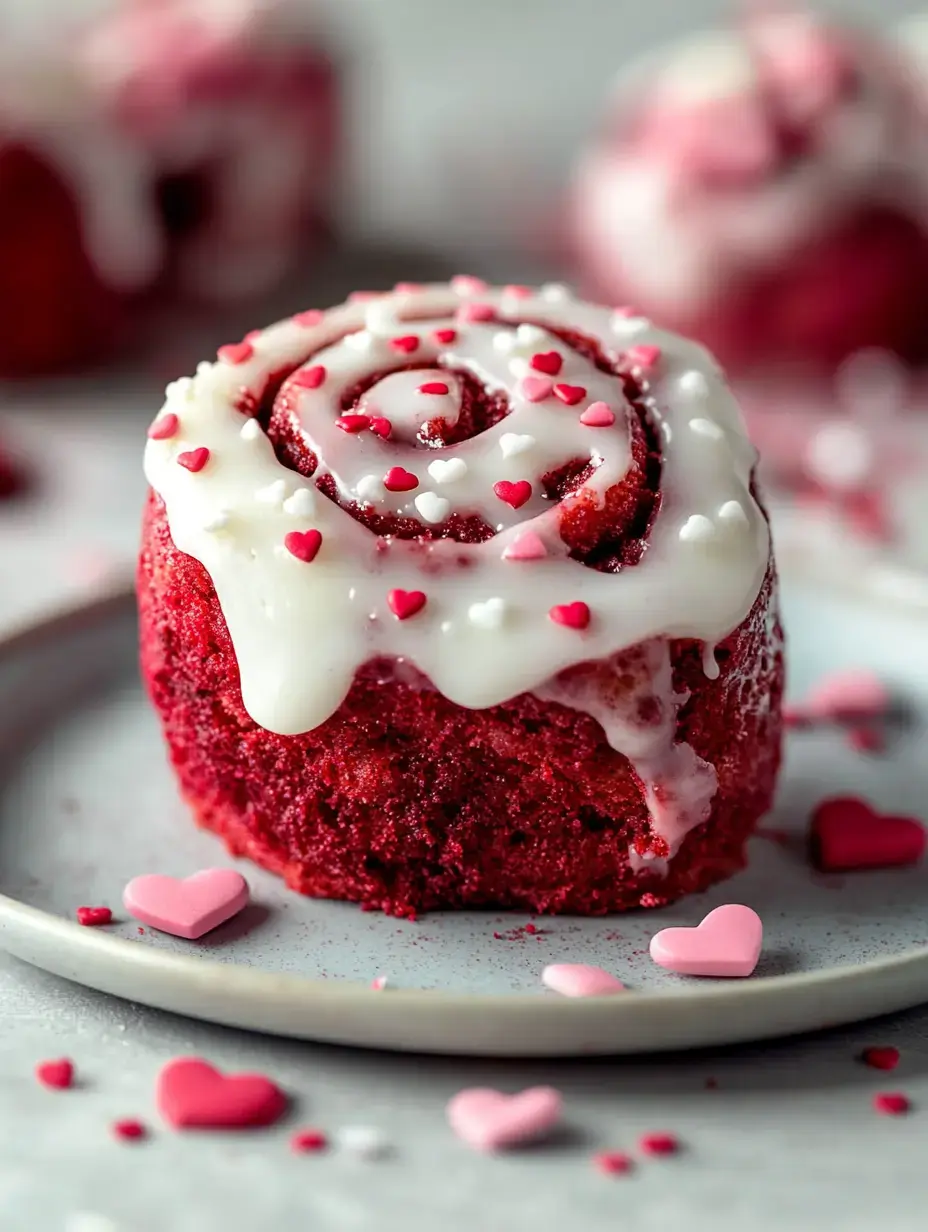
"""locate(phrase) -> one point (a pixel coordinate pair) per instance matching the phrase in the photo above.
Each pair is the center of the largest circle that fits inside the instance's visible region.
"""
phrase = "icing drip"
(310, 594)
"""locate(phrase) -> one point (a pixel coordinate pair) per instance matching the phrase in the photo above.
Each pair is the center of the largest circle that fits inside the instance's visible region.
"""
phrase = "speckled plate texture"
(87, 801)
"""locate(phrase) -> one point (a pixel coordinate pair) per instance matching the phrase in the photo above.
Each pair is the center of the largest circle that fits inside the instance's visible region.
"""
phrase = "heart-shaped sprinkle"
(580, 980)
(92, 917)
(659, 1144)
(513, 443)
(475, 313)
(528, 546)
(536, 388)
(698, 529)
(251, 430)
(353, 423)
(380, 426)
(305, 1140)
(732, 516)
(129, 1130)
(643, 357)
(405, 603)
(192, 1094)
(891, 1103)
(598, 415)
(304, 545)
(571, 615)
(435, 388)
(884, 1058)
(164, 427)
(187, 907)
(445, 336)
(848, 696)
(57, 1075)
(405, 344)
(613, 1163)
(301, 504)
(309, 318)
(487, 615)
(467, 284)
(236, 352)
(362, 340)
(433, 508)
(847, 833)
(727, 943)
(309, 378)
(570, 395)
(370, 488)
(364, 1141)
(193, 460)
(447, 470)
(548, 362)
(399, 480)
(513, 494)
(489, 1120)
(530, 335)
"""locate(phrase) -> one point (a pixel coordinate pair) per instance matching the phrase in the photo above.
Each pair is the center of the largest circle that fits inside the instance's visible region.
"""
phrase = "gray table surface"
(786, 1139)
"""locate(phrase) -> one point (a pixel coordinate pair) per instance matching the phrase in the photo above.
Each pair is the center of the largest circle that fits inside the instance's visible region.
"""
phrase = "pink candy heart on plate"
(189, 907)
(489, 1120)
(727, 943)
(580, 980)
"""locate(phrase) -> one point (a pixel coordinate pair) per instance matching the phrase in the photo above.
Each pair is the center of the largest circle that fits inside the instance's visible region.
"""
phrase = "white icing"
(301, 631)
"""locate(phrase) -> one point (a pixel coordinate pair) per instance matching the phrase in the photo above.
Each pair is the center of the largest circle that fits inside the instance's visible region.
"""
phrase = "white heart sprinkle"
(363, 1140)
(204, 368)
(447, 470)
(555, 292)
(529, 335)
(519, 367)
(629, 327)
(732, 513)
(697, 529)
(219, 521)
(707, 428)
(251, 430)
(511, 443)
(301, 504)
(505, 341)
(380, 318)
(487, 615)
(694, 384)
(370, 488)
(360, 341)
(274, 494)
(432, 507)
(180, 390)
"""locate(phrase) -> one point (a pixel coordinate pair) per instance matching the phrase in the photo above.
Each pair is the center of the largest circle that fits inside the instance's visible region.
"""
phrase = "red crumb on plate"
(94, 915)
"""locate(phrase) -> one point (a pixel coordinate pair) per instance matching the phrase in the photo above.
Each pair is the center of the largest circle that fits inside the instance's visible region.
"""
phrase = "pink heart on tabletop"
(727, 943)
(580, 980)
(855, 693)
(192, 1094)
(189, 907)
(489, 1120)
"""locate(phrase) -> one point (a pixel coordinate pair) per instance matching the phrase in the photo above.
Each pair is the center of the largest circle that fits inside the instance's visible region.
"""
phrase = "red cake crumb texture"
(405, 801)
(58, 1075)
(91, 916)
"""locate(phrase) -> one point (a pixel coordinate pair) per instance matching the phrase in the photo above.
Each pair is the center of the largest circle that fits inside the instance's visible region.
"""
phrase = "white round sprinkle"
(732, 514)
(555, 292)
(251, 430)
(629, 327)
(432, 507)
(505, 341)
(487, 615)
(706, 427)
(364, 1141)
(520, 368)
(529, 335)
(363, 340)
(219, 521)
(301, 504)
(512, 443)
(447, 470)
(697, 529)
(694, 384)
(274, 494)
(370, 488)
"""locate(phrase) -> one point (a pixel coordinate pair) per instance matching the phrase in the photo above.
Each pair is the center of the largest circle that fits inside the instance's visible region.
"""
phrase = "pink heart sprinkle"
(580, 980)
(236, 352)
(513, 494)
(405, 603)
(309, 378)
(536, 388)
(187, 907)
(353, 423)
(57, 1075)
(399, 480)
(643, 357)
(527, 547)
(548, 362)
(848, 695)
(727, 943)
(194, 459)
(312, 316)
(192, 1094)
(445, 336)
(164, 427)
(406, 344)
(571, 615)
(489, 1120)
(437, 388)
(467, 284)
(570, 394)
(304, 545)
(598, 415)
(475, 313)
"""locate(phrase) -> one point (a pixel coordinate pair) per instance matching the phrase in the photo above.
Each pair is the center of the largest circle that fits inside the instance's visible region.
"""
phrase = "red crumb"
(613, 1163)
(129, 1130)
(866, 740)
(58, 1075)
(658, 1144)
(891, 1103)
(877, 1057)
(530, 929)
(306, 1140)
(94, 915)
(142, 931)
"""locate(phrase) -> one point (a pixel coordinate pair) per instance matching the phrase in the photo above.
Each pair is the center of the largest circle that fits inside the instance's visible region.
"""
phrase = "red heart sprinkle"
(90, 916)
(129, 1130)
(310, 378)
(613, 1163)
(399, 480)
(572, 615)
(312, 316)
(643, 357)
(353, 423)
(194, 459)
(406, 344)
(405, 603)
(445, 336)
(847, 833)
(548, 362)
(55, 1074)
(884, 1058)
(380, 426)
(164, 427)
(304, 545)
(236, 352)
(570, 394)
(309, 1140)
(891, 1103)
(433, 387)
(475, 313)
(192, 1094)
(658, 1144)
(514, 494)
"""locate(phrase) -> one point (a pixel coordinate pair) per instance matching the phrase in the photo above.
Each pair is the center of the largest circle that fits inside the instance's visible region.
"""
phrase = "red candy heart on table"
(489, 1120)
(192, 1094)
(847, 833)
(190, 907)
(727, 943)
(58, 1075)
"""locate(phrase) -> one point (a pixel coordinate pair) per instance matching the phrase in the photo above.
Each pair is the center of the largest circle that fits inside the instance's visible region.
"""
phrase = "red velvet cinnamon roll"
(459, 597)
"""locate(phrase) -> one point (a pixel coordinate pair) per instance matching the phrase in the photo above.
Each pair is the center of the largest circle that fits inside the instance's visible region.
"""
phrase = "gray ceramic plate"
(87, 802)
